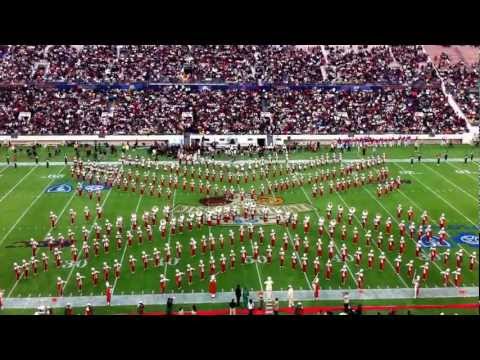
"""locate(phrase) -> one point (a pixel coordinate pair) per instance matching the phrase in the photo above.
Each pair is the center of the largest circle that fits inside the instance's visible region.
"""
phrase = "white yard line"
(89, 233)
(336, 247)
(441, 198)
(59, 216)
(451, 183)
(4, 168)
(28, 208)
(377, 249)
(395, 219)
(125, 247)
(169, 231)
(309, 283)
(18, 183)
(419, 208)
(256, 266)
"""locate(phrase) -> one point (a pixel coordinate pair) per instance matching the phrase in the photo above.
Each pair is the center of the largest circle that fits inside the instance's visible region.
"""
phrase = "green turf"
(451, 188)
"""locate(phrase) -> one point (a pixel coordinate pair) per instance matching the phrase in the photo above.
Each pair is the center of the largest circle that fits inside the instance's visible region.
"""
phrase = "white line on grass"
(336, 247)
(441, 198)
(5, 168)
(89, 233)
(293, 244)
(28, 208)
(394, 219)
(59, 216)
(169, 231)
(419, 208)
(125, 247)
(18, 183)
(386, 258)
(451, 183)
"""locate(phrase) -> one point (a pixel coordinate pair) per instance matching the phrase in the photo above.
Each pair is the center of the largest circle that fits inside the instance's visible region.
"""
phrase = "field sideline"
(451, 188)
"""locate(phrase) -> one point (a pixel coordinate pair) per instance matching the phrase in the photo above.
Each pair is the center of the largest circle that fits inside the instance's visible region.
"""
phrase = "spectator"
(276, 306)
(245, 295)
(68, 309)
(232, 306)
(238, 294)
(169, 307)
(140, 308)
(88, 310)
(194, 310)
(299, 309)
(346, 301)
(261, 303)
(251, 306)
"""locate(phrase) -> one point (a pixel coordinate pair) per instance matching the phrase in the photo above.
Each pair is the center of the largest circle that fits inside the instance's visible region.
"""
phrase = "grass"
(449, 188)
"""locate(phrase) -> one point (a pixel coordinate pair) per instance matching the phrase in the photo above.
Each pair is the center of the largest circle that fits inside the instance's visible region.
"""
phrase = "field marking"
(89, 233)
(293, 244)
(457, 168)
(443, 199)
(334, 242)
(395, 219)
(18, 183)
(419, 208)
(169, 232)
(256, 266)
(126, 246)
(28, 208)
(376, 248)
(58, 219)
(451, 183)
(4, 168)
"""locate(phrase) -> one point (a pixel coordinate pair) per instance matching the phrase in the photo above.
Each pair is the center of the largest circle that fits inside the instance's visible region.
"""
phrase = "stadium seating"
(410, 98)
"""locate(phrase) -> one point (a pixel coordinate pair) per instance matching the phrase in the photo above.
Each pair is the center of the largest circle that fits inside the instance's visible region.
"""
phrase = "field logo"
(270, 200)
(467, 239)
(59, 188)
(94, 188)
(434, 242)
(215, 201)
(243, 221)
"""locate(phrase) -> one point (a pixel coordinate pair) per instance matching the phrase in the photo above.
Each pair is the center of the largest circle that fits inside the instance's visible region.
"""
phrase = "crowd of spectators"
(378, 64)
(176, 109)
(411, 102)
(462, 81)
(174, 63)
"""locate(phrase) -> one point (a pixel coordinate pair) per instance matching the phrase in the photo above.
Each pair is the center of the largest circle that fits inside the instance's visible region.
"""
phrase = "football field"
(29, 192)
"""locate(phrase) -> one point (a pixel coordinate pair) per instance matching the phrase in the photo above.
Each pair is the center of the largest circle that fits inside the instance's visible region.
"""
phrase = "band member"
(60, 286)
(212, 286)
(328, 269)
(281, 256)
(457, 277)
(316, 288)
(79, 279)
(382, 259)
(410, 265)
(445, 276)
(425, 271)
(416, 287)
(472, 260)
(132, 263)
